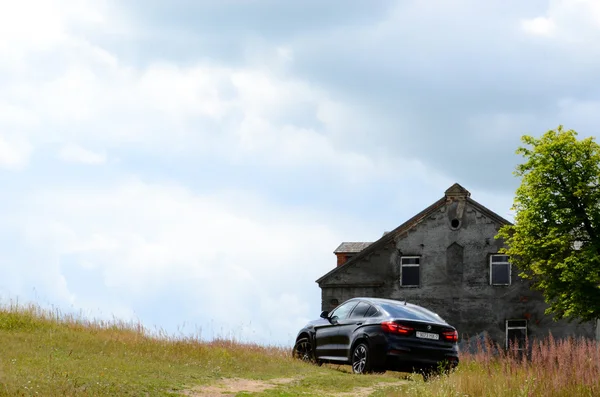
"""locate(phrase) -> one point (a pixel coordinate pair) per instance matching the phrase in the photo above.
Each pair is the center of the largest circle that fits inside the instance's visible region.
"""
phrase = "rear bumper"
(406, 355)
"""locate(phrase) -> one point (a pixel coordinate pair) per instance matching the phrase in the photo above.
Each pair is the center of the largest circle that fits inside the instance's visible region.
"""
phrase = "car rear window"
(411, 312)
(360, 310)
(372, 312)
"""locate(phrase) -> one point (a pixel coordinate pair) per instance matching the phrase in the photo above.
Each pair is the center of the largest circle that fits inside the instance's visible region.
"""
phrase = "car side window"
(342, 311)
(372, 312)
(360, 310)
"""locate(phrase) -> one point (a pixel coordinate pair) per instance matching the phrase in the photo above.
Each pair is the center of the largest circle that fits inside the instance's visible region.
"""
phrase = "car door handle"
(359, 323)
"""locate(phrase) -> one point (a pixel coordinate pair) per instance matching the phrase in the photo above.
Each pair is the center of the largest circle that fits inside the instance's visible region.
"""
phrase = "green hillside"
(45, 354)
(48, 354)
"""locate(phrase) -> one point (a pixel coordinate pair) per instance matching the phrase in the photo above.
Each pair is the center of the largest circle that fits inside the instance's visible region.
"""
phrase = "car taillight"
(450, 336)
(395, 328)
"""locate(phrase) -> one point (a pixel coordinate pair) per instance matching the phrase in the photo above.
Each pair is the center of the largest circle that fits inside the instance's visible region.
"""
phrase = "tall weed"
(549, 367)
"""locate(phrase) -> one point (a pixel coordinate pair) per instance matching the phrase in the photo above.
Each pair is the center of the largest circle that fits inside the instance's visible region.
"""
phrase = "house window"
(499, 270)
(409, 271)
(516, 334)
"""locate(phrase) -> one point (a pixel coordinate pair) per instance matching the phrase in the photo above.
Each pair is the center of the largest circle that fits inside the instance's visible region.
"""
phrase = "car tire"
(361, 359)
(303, 351)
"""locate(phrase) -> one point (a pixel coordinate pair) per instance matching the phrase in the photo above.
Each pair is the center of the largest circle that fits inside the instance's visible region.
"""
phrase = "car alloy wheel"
(361, 359)
(303, 350)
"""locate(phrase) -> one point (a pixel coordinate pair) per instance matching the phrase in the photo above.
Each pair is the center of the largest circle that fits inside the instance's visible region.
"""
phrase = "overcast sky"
(193, 164)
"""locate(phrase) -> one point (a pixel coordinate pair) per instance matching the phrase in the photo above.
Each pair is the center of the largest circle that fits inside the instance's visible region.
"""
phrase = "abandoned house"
(446, 259)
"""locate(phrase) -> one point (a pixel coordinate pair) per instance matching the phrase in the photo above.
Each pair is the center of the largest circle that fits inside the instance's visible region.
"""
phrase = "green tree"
(554, 241)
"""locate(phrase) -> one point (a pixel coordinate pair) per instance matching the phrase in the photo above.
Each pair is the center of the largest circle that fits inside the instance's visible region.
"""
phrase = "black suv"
(375, 335)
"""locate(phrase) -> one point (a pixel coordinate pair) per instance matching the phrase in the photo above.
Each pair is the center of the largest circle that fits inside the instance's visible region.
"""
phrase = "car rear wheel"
(303, 350)
(361, 359)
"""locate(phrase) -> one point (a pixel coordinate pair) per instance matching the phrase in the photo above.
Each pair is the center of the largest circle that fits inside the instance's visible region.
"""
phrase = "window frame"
(492, 263)
(507, 328)
(418, 265)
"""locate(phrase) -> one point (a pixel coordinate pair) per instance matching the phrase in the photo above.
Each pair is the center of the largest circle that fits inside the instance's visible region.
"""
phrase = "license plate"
(427, 335)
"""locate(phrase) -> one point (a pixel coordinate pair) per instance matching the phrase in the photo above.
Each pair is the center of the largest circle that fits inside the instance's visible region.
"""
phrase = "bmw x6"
(375, 335)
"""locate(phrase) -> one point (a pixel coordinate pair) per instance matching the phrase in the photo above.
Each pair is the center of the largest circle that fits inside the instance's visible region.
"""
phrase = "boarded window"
(516, 334)
(409, 271)
(499, 270)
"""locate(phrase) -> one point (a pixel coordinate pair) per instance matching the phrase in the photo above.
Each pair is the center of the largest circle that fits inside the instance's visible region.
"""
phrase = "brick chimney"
(347, 250)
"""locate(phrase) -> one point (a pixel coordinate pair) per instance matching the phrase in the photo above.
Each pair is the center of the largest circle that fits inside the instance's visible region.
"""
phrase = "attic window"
(409, 271)
(455, 223)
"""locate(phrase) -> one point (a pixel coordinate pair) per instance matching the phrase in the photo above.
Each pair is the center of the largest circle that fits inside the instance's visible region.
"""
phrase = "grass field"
(48, 354)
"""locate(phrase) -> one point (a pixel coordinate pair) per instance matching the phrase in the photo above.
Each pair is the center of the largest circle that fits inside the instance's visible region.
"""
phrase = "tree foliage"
(555, 238)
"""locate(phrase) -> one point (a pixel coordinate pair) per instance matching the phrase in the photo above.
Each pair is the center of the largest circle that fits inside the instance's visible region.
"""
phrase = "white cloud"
(539, 26)
(226, 257)
(31, 26)
(91, 97)
(572, 21)
(229, 255)
(73, 153)
(14, 153)
(125, 246)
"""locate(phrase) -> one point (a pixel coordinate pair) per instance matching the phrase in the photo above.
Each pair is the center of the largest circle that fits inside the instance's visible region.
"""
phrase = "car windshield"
(411, 312)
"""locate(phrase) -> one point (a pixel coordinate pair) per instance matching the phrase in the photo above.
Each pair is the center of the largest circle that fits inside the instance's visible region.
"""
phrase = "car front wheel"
(361, 359)
(303, 350)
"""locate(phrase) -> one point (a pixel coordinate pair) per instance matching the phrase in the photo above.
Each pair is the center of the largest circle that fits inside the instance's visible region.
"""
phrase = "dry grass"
(46, 353)
(569, 367)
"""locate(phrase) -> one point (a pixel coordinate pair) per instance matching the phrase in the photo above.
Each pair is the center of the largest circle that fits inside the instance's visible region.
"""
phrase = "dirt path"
(366, 391)
(230, 387)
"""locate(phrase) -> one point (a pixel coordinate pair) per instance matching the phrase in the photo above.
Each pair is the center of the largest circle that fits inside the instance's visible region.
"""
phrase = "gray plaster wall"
(454, 274)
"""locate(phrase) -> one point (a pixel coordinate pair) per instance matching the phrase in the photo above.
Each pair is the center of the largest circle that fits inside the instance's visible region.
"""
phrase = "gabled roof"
(455, 191)
(351, 247)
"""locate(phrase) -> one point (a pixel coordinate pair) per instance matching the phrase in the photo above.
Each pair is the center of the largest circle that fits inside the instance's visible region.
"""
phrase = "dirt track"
(229, 387)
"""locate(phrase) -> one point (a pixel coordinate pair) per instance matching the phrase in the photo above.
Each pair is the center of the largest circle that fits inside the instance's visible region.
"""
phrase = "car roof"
(394, 302)
(383, 300)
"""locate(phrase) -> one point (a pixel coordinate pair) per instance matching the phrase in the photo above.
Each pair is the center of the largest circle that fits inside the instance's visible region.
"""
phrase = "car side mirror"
(324, 314)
